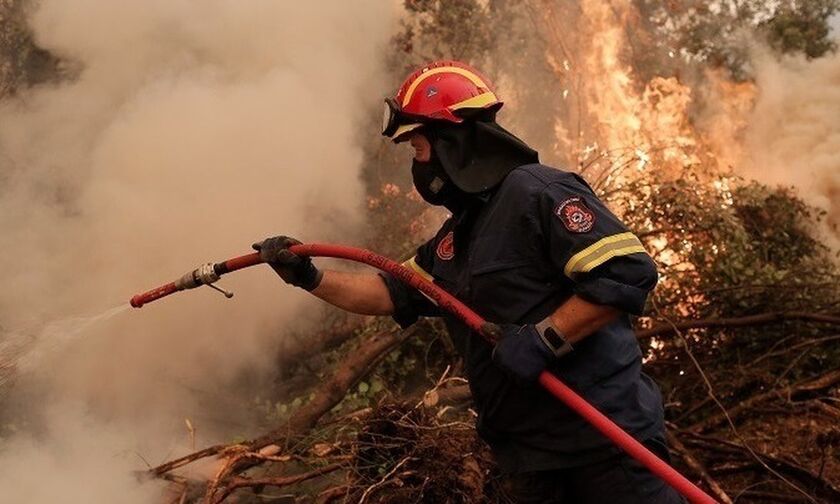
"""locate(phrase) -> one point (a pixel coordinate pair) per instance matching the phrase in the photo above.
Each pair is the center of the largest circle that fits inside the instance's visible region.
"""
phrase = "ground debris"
(408, 454)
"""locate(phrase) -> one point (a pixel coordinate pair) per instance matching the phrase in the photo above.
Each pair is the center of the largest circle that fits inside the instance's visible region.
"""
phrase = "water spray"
(209, 273)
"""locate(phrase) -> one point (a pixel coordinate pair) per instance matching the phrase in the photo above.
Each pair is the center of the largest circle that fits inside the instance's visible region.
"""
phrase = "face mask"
(432, 183)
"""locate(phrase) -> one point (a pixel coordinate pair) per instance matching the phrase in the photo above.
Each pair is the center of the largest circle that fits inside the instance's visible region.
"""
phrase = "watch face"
(554, 339)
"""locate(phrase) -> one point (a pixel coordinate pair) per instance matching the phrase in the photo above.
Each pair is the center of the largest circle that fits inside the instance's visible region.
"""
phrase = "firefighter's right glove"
(522, 353)
(292, 268)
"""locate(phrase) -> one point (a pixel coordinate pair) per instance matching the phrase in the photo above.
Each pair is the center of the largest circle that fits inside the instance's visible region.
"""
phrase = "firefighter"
(531, 248)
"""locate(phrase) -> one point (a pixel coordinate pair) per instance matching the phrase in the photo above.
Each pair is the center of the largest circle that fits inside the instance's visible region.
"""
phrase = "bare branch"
(821, 382)
(750, 320)
(692, 462)
(239, 482)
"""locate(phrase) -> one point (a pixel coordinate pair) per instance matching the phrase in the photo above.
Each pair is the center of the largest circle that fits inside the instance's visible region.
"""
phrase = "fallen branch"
(240, 482)
(769, 497)
(300, 348)
(186, 459)
(447, 390)
(711, 393)
(332, 391)
(696, 466)
(803, 474)
(327, 396)
(822, 382)
(454, 394)
(797, 346)
(332, 494)
(824, 408)
(750, 320)
(369, 490)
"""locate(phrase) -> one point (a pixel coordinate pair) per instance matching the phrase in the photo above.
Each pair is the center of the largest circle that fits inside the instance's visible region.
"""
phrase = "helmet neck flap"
(478, 154)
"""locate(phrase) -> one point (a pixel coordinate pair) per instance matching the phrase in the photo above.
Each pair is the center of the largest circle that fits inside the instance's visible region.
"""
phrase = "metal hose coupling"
(203, 275)
(206, 274)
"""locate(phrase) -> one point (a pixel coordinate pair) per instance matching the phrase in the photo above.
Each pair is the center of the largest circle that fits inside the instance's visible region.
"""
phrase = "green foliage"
(729, 248)
(722, 251)
(22, 62)
(803, 28)
(414, 365)
(438, 29)
(720, 33)
(273, 412)
(725, 247)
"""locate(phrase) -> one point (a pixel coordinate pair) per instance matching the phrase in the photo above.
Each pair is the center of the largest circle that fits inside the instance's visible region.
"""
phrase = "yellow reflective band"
(412, 265)
(475, 79)
(476, 101)
(602, 251)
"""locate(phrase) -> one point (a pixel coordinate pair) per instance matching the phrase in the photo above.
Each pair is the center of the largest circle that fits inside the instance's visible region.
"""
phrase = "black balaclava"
(468, 160)
(435, 186)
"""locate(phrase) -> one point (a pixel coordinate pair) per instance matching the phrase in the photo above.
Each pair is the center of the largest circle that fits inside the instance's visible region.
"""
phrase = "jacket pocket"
(504, 291)
(495, 266)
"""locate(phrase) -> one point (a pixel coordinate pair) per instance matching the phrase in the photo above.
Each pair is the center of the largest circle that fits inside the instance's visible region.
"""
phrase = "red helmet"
(436, 92)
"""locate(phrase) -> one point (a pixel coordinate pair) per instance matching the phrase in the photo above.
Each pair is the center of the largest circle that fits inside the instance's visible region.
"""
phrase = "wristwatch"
(553, 338)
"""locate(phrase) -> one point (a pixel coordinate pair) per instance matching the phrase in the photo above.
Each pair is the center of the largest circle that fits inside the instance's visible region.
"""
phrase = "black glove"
(293, 269)
(521, 353)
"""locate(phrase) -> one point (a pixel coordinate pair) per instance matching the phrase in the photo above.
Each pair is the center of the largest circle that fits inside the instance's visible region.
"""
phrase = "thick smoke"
(793, 135)
(191, 130)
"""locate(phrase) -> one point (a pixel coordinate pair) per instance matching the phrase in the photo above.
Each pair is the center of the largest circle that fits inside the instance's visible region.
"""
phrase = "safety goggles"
(396, 122)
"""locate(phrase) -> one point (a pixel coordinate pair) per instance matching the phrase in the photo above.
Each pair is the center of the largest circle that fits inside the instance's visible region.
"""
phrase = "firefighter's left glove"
(292, 268)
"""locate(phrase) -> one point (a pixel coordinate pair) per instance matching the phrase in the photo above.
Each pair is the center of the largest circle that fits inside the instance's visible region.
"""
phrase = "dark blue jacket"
(540, 238)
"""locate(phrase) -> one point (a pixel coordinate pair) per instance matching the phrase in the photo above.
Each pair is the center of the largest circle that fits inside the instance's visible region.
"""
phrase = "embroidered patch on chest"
(446, 247)
(575, 215)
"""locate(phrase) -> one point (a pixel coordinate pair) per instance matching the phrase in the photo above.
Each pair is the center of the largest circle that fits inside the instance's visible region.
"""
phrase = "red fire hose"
(488, 330)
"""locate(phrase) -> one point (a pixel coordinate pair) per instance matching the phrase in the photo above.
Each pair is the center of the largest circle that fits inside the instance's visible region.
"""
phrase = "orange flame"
(628, 124)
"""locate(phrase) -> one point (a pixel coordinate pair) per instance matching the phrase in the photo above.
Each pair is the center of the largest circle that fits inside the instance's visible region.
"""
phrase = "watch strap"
(553, 338)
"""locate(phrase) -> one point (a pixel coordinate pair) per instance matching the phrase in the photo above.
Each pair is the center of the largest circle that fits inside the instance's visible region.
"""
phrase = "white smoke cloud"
(793, 135)
(79, 460)
(834, 24)
(193, 129)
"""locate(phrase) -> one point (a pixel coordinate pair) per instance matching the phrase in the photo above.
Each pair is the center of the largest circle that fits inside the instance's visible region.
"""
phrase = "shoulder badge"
(446, 248)
(575, 215)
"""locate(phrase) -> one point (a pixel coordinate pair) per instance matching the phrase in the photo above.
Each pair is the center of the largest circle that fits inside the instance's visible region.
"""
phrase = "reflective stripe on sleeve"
(412, 265)
(602, 251)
